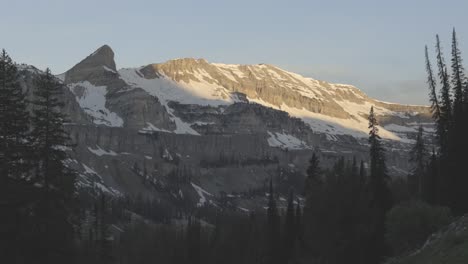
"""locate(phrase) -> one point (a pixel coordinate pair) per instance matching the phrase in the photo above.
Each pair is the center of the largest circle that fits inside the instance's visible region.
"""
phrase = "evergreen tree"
(273, 230)
(50, 137)
(314, 206)
(104, 246)
(356, 185)
(380, 196)
(16, 191)
(299, 224)
(430, 194)
(362, 173)
(289, 229)
(377, 156)
(418, 158)
(193, 240)
(435, 107)
(458, 80)
(355, 170)
(445, 117)
(313, 175)
(53, 209)
(457, 137)
(14, 121)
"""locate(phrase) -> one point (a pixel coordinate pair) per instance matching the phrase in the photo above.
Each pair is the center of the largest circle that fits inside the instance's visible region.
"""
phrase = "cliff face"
(272, 85)
(158, 129)
(327, 108)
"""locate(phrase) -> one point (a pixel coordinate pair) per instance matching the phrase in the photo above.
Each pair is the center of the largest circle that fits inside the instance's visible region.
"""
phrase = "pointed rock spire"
(99, 61)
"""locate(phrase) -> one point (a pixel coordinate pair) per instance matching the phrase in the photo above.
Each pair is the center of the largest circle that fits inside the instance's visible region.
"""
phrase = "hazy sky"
(375, 45)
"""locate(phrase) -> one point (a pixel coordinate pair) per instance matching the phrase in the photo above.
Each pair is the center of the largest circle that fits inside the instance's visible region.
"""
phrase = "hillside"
(449, 245)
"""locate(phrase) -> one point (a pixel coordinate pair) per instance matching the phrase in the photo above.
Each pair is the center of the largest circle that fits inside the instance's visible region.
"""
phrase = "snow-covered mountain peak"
(332, 109)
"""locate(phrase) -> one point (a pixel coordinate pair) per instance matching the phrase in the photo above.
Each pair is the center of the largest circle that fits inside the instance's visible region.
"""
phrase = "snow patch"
(152, 128)
(167, 90)
(100, 152)
(92, 99)
(201, 193)
(356, 125)
(109, 69)
(285, 141)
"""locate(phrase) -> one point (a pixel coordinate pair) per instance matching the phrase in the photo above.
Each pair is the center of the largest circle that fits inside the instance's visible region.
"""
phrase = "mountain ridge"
(227, 128)
(325, 107)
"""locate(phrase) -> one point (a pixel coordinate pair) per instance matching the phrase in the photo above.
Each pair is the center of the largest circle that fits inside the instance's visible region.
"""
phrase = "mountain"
(190, 129)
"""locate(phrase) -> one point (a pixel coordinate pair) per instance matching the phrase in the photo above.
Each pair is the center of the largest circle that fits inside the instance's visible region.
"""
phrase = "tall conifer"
(14, 121)
(445, 99)
(16, 191)
(418, 158)
(50, 141)
(273, 228)
(380, 196)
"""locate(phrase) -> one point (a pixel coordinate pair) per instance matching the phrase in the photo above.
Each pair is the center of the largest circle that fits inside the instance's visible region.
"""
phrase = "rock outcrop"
(93, 68)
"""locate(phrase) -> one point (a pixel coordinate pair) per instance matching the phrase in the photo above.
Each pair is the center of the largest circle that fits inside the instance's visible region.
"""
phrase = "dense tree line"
(342, 221)
(346, 207)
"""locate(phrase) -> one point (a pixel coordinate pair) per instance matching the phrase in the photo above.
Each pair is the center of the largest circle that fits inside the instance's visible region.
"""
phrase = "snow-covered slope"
(92, 100)
(334, 109)
(327, 108)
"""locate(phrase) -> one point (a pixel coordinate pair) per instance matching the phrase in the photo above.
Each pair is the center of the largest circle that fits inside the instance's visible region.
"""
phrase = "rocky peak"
(99, 62)
(104, 56)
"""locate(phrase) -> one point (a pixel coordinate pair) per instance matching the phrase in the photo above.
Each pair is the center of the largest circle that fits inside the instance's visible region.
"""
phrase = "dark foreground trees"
(55, 181)
(16, 193)
(37, 189)
(446, 177)
(345, 209)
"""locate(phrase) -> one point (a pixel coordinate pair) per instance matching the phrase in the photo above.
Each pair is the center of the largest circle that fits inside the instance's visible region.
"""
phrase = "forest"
(352, 212)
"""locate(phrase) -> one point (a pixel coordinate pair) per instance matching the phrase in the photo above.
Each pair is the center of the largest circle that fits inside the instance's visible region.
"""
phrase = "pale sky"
(376, 45)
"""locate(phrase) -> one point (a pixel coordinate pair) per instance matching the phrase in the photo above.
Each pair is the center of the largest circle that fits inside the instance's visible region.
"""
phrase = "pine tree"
(355, 170)
(430, 194)
(299, 223)
(418, 158)
(452, 127)
(435, 107)
(104, 245)
(377, 162)
(49, 140)
(458, 80)
(50, 137)
(457, 139)
(289, 229)
(362, 173)
(313, 175)
(356, 183)
(380, 196)
(193, 240)
(273, 232)
(14, 121)
(315, 204)
(445, 117)
(16, 192)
